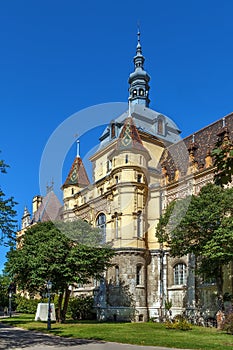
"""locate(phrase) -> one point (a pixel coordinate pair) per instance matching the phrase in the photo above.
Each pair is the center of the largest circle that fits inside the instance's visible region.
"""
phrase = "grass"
(153, 334)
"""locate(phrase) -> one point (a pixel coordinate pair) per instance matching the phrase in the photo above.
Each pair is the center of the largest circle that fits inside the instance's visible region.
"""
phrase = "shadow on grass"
(11, 338)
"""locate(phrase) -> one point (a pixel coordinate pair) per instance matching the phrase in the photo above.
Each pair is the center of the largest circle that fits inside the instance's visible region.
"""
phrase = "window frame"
(180, 274)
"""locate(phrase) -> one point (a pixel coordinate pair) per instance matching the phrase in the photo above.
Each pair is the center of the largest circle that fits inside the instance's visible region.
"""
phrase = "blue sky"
(58, 57)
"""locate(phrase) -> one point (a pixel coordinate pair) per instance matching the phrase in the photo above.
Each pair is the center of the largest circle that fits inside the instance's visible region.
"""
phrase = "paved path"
(19, 339)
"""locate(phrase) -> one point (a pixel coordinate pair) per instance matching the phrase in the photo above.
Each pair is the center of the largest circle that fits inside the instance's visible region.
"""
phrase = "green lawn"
(132, 333)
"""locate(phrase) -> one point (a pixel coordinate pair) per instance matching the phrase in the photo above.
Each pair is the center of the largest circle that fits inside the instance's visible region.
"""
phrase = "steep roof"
(146, 120)
(77, 174)
(129, 138)
(49, 209)
(201, 143)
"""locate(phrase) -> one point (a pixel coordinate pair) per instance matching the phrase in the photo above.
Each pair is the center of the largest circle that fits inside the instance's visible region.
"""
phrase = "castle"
(140, 166)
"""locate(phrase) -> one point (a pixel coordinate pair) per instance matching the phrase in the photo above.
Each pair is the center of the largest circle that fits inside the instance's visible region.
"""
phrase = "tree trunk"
(219, 284)
(59, 308)
(65, 305)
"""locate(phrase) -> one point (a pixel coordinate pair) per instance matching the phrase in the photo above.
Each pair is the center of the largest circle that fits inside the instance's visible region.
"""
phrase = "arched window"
(126, 159)
(139, 275)
(141, 92)
(139, 224)
(180, 273)
(134, 93)
(101, 224)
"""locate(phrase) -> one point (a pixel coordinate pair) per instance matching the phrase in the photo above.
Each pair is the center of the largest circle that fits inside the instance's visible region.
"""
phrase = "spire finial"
(139, 34)
(139, 47)
(139, 79)
(78, 148)
(77, 145)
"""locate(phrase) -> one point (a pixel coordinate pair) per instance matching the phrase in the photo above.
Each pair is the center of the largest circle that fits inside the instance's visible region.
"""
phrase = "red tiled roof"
(201, 142)
(129, 137)
(49, 209)
(77, 175)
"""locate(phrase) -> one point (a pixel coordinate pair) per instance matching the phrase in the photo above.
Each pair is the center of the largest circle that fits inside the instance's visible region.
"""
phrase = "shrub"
(27, 306)
(228, 323)
(180, 324)
(81, 308)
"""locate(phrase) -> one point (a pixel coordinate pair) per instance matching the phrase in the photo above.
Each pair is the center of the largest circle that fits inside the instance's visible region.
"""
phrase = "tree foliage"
(47, 253)
(223, 160)
(204, 229)
(4, 284)
(7, 214)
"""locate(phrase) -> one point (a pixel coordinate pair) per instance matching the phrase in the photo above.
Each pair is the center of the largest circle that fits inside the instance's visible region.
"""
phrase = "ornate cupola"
(139, 79)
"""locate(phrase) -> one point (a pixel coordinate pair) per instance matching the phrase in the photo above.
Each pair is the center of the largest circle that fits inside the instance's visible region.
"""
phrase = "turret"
(139, 79)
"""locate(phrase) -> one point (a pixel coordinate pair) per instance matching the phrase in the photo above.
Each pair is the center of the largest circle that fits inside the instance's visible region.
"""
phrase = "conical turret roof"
(77, 175)
(129, 138)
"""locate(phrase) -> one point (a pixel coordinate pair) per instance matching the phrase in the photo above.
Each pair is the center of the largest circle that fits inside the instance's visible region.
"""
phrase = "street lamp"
(49, 287)
(10, 296)
(11, 291)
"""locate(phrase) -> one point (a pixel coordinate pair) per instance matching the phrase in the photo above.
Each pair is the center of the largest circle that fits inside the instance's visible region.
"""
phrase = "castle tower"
(26, 218)
(139, 79)
(76, 180)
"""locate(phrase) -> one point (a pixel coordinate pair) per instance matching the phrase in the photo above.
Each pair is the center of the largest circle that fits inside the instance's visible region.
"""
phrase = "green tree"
(48, 253)
(4, 284)
(204, 229)
(223, 159)
(7, 214)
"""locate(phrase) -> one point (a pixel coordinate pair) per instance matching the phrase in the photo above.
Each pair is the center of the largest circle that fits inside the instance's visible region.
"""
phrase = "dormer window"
(161, 126)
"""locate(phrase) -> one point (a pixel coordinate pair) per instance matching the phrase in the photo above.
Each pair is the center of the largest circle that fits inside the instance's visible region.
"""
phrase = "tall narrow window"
(116, 225)
(134, 93)
(116, 179)
(101, 224)
(139, 178)
(141, 92)
(109, 165)
(117, 275)
(126, 159)
(160, 126)
(139, 224)
(180, 273)
(139, 275)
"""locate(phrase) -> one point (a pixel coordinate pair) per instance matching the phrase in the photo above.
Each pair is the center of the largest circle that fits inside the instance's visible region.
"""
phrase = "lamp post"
(10, 296)
(49, 287)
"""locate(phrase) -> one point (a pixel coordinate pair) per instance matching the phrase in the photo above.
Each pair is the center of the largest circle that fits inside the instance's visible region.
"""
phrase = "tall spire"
(139, 79)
